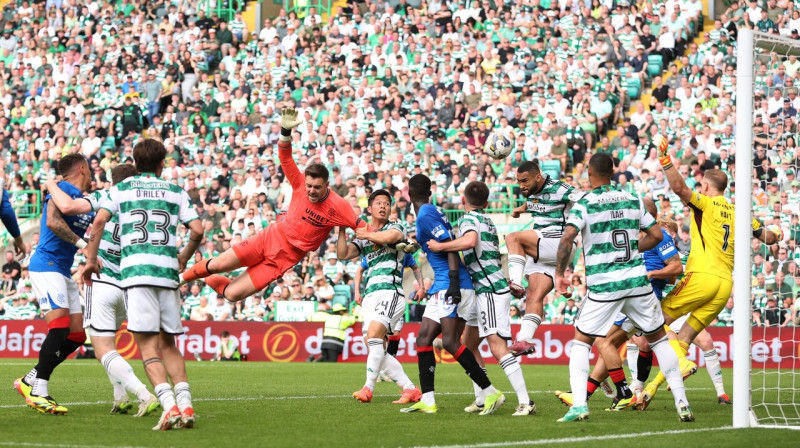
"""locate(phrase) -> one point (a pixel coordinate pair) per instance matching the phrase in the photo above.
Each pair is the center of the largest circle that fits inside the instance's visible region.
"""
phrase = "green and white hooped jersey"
(384, 264)
(609, 221)
(483, 261)
(149, 211)
(109, 250)
(549, 207)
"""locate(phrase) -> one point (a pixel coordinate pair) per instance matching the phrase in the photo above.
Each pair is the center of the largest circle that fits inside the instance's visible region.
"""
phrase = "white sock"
(714, 370)
(428, 398)
(579, 371)
(394, 370)
(121, 375)
(40, 388)
(668, 362)
(119, 389)
(516, 265)
(480, 397)
(530, 322)
(183, 395)
(514, 373)
(165, 396)
(633, 359)
(374, 360)
(30, 378)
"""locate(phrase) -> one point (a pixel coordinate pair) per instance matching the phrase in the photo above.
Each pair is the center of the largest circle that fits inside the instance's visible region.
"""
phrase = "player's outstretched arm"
(652, 236)
(59, 227)
(67, 205)
(672, 269)
(676, 181)
(345, 250)
(389, 236)
(288, 122)
(562, 256)
(769, 235)
(98, 226)
(467, 241)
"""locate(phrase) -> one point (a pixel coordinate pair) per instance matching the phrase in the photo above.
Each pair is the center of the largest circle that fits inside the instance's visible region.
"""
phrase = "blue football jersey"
(54, 254)
(655, 258)
(432, 224)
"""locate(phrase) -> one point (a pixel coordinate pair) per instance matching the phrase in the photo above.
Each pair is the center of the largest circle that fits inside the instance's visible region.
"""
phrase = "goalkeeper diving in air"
(313, 212)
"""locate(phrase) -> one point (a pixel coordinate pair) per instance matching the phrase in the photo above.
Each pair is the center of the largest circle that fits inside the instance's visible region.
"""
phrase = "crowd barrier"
(296, 341)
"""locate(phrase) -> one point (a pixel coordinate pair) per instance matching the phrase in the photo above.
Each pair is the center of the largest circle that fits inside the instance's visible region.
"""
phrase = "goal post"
(772, 398)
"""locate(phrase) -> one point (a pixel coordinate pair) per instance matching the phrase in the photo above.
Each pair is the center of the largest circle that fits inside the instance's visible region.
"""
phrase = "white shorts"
(386, 307)
(54, 291)
(152, 310)
(105, 309)
(438, 307)
(545, 263)
(596, 318)
(493, 317)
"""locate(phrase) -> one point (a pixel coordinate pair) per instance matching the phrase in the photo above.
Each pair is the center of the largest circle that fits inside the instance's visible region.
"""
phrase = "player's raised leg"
(519, 245)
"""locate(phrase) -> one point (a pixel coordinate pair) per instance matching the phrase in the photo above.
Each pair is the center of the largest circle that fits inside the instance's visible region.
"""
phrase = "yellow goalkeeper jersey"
(712, 235)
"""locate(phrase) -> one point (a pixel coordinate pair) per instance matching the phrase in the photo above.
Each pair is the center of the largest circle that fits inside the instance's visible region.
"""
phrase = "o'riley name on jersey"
(385, 264)
(549, 207)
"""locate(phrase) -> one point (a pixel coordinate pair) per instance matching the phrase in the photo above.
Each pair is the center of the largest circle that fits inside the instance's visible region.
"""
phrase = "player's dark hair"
(717, 178)
(650, 206)
(317, 171)
(68, 163)
(148, 155)
(224, 334)
(377, 193)
(419, 187)
(477, 193)
(602, 165)
(122, 172)
(530, 166)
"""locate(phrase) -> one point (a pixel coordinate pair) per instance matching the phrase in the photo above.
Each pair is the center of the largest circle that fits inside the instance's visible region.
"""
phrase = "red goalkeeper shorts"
(267, 255)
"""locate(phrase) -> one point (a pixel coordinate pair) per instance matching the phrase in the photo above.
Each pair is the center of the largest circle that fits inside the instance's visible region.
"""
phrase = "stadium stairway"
(708, 25)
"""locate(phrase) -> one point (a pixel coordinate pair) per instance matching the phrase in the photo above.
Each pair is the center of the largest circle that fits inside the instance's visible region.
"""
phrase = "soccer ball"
(499, 145)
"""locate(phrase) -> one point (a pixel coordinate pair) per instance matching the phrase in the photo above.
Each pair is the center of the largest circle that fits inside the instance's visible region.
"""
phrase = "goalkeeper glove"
(777, 231)
(662, 146)
(289, 120)
(453, 294)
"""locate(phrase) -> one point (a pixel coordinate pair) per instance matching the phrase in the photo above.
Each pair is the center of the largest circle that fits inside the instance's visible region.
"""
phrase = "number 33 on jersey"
(149, 211)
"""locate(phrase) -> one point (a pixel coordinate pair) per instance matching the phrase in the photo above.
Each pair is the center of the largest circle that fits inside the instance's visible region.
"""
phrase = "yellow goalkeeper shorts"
(704, 295)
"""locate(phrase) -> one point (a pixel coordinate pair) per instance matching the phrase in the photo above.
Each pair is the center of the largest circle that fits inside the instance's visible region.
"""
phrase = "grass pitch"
(301, 405)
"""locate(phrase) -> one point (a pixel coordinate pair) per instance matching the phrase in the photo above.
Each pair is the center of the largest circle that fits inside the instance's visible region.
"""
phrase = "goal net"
(766, 278)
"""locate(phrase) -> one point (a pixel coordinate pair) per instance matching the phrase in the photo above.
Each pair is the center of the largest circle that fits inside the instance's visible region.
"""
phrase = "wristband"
(666, 162)
(80, 244)
(286, 132)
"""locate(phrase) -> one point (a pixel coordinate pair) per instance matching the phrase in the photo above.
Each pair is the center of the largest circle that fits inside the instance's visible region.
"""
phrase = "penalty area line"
(59, 445)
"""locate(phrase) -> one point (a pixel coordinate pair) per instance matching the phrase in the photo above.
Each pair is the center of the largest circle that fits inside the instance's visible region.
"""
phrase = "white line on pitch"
(582, 439)
(58, 445)
(299, 397)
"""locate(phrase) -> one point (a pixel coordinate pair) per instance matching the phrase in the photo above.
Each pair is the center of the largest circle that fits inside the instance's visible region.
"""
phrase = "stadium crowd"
(388, 90)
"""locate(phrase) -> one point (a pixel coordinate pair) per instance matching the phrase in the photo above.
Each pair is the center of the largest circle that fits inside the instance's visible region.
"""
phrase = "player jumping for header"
(313, 212)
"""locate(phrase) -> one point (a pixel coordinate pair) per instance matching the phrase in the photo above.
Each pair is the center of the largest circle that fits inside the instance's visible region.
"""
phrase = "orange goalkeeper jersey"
(307, 225)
